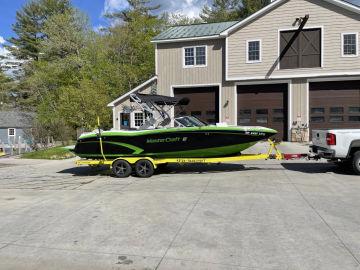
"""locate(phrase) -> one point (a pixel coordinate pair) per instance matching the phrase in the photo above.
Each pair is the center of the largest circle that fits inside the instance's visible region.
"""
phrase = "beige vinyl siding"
(228, 103)
(333, 19)
(171, 72)
(299, 102)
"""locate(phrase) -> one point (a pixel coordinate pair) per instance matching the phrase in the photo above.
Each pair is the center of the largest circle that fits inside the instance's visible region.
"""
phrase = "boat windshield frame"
(191, 121)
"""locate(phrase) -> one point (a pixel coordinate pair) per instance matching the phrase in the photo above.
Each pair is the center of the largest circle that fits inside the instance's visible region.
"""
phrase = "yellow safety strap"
(101, 142)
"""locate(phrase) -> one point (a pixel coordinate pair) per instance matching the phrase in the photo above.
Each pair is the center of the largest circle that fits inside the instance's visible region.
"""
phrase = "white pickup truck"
(339, 145)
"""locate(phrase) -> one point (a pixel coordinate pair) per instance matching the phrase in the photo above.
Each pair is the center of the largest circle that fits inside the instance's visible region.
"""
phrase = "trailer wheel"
(356, 162)
(121, 168)
(144, 168)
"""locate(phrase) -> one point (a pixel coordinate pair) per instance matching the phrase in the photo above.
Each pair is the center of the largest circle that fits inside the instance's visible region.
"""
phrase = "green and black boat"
(191, 138)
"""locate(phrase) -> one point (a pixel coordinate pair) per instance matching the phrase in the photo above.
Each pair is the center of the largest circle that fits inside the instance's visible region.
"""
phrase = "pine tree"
(231, 10)
(136, 8)
(251, 6)
(30, 21)
(221, 11)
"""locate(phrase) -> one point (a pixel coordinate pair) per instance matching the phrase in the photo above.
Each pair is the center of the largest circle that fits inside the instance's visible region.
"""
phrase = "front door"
(125, 121)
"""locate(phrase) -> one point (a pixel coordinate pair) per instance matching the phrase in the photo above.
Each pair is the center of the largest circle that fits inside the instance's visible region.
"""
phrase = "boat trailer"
(145, 167)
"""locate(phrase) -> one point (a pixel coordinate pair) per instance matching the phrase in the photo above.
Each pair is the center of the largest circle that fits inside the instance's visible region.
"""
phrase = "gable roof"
(16, 119)
(348, 5)
(151, 80)
(197, 31)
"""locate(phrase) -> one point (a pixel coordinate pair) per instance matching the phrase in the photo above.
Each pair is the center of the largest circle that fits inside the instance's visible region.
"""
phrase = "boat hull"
(199, 142)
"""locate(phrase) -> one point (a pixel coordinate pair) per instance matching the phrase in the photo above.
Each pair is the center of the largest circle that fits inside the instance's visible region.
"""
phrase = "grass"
(55, 153)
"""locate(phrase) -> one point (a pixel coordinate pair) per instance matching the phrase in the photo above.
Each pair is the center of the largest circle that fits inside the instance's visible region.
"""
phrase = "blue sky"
(95, 9)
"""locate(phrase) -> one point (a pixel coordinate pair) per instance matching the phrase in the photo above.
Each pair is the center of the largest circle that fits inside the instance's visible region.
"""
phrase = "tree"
(174, 19)
(231, 10)
(5, 83)
(80, 109)
(66, 35)
(221, 11)
(136, 8)
(130, 42)
(251, 6)
(29, 26)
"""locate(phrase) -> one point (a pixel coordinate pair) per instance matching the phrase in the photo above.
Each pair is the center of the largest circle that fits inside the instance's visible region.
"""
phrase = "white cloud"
(3, 51)
(114, 5)
(190, 8)
(2, 40)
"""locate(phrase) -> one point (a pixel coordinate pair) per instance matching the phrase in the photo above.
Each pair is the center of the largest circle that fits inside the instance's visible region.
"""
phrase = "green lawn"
(55, 153)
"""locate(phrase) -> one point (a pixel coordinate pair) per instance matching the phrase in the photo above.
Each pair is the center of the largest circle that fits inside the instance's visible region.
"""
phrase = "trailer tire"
(356, 162)
(144, 168)
(121, 168)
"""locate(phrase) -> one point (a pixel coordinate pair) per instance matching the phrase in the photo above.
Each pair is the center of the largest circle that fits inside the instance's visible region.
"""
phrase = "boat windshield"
(189, 121)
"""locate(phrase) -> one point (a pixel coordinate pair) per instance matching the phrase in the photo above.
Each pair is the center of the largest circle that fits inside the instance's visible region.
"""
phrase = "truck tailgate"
(319, 138)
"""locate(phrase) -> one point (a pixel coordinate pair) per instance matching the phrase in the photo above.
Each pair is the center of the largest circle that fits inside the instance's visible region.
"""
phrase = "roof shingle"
(16, 119)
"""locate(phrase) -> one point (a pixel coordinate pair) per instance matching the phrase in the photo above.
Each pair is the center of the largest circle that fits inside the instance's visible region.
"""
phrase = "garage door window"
(278, 119)
(354, 118)
(336, 119)
(354, 109)
(245, 116)
(349, 44)
(317, 110)
(317, 119)
(336, 110)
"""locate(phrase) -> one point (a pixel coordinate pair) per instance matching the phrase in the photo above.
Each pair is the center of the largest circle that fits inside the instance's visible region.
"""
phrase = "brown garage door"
(264, 105)
(204, 103)
(334, 104)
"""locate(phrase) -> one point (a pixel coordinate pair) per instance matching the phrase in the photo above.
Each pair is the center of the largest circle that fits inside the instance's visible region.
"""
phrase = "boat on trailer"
(190, 138)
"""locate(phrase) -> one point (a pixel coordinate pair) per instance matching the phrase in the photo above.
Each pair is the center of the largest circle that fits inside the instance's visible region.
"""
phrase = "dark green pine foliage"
(136, 8)
(231, 10)
(221, 11)
(251, 6)
(30, 21)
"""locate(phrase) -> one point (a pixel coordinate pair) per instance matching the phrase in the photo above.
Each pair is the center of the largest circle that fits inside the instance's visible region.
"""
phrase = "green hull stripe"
(172, 130)
(207, 152)
(137, 150)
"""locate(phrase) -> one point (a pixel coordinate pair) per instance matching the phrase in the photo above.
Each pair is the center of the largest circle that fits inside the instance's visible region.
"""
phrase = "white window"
(11, 132)
(195, 56)
(138, 119)
(253, 51)
(350, 44)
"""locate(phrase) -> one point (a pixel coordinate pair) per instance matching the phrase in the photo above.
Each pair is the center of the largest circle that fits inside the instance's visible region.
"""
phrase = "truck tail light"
(331, 139)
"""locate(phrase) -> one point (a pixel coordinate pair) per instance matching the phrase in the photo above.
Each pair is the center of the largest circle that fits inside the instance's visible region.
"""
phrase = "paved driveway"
(255, 215)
